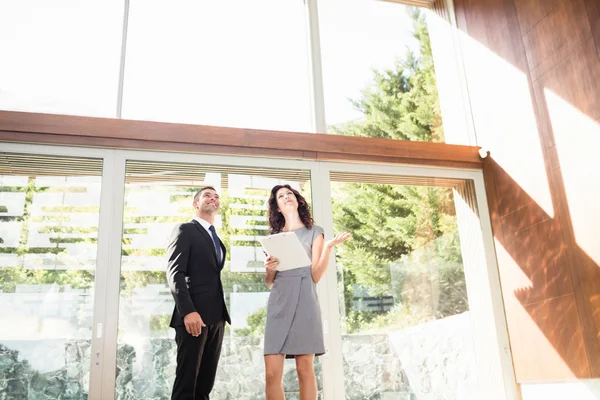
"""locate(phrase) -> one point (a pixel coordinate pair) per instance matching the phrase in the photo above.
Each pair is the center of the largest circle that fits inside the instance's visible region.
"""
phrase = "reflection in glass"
(48, 244)
(403, 295)
(157, 196)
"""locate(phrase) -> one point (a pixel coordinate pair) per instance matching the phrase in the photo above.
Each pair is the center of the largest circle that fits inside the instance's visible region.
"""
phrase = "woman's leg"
(274, 376)
(306, 376)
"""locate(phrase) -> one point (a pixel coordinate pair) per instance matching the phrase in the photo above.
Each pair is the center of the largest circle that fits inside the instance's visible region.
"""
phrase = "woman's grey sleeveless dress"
(294, 324)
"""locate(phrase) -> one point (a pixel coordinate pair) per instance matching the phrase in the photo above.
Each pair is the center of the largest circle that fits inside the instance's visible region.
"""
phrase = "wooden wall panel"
(568, 97)
(539, 175)
(541, 254)
(586, 277)
(558, 318)
(560, 31)
(532, 12)
(593, 11)
(576, 79)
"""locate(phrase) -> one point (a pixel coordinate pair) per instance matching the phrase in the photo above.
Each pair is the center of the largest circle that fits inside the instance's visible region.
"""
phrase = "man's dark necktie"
(215, 239)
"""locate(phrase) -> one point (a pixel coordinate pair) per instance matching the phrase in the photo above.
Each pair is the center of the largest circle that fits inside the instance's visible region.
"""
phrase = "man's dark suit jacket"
(194, 275)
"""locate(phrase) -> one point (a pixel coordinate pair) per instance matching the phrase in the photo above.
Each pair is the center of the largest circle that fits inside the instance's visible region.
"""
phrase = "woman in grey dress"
(294, 328)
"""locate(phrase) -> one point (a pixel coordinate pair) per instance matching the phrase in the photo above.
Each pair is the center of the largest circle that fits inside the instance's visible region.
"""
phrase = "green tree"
(389, 222)
(256, 324)
(243, 282)
(401, 103)
(10, 276)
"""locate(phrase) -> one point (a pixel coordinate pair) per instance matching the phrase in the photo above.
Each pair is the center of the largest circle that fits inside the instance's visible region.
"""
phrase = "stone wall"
(19, 381)
(432, 361)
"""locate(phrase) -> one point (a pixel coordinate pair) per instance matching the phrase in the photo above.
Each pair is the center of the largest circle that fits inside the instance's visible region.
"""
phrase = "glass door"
(158, 195)
(404, 307)
(49, 263)
(415, 291)
(411, 305)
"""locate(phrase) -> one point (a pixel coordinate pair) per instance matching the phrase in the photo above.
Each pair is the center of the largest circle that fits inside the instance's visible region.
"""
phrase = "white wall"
(580, 390)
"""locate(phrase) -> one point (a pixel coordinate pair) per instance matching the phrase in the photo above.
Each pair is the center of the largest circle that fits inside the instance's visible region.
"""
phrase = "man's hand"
(193, 323)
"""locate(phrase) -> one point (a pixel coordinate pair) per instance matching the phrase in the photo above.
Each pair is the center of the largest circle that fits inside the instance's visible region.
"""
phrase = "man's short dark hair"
(197, 195)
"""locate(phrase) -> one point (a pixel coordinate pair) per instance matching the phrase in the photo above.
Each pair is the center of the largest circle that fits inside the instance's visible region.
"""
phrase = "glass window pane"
(378, 73)
(60, 56)
(146, 346)
(48, 244)
(228, 63)
(403, 297)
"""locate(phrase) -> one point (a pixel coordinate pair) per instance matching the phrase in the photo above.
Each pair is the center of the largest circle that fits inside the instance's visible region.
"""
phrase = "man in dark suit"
(196, 256)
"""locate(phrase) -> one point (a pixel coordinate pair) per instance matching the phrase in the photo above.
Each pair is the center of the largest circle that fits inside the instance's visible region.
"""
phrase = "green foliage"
(180, 198)
(405, 242)
(256, 324)
(160, 323)
(130, 280)
(242, 282)
(149, 220)
(73, 240)
(68, 229)
(143, 252)
(236, 281)
(72, 209)
(135, 231)
(50, 218)
(30, 190)
(67, 189)
(404, 238)
(11, 276)
(401, 103)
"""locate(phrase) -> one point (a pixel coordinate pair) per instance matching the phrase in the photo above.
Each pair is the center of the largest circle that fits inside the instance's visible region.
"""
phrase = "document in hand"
(287, 248)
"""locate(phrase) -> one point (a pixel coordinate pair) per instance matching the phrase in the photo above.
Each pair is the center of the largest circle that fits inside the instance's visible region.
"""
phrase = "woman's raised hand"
(339, 239)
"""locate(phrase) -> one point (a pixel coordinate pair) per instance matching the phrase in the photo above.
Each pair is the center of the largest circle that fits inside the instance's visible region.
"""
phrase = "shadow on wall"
(536, 267)
(533, 70)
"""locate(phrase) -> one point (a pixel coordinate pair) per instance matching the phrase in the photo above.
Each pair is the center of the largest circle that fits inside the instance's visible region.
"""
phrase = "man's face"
(208, 202)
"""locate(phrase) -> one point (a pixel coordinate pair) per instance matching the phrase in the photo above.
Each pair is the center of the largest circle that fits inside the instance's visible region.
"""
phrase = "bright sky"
(250, 68)
(228, 62)
(357, 36)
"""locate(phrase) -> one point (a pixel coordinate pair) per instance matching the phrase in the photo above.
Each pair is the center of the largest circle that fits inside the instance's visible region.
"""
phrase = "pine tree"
(390, 222)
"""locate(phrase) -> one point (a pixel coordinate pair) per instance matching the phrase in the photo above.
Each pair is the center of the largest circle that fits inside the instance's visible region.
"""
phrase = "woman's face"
(286, 200)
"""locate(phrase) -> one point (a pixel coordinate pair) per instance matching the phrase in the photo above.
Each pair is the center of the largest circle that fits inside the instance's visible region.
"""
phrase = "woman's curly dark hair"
(276, 219)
